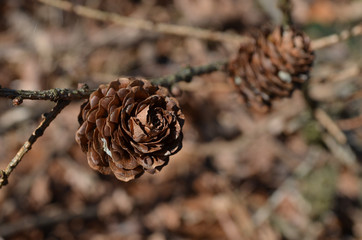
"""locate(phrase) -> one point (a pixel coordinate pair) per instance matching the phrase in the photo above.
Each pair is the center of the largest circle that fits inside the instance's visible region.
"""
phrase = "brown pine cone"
(271, 66)
(130, 126)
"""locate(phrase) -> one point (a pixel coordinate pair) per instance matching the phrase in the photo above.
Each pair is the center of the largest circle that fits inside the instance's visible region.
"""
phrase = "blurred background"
(240, 175)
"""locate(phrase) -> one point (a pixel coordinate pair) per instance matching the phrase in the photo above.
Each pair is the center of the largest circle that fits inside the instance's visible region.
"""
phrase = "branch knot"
(3, 178)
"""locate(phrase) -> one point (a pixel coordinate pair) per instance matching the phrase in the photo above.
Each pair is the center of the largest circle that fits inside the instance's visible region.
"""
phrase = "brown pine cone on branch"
(271, 67)
(130, 126)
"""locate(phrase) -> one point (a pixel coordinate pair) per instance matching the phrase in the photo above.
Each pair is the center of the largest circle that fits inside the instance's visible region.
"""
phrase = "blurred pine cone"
(130, 126)
(271, 66)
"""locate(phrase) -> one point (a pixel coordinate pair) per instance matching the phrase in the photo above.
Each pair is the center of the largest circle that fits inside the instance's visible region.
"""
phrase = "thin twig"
(185, 31)
(325, 120)
(286, 8)
(49, 117)
(342, 152)
(186, 74)
(334, 138)
(337, 37)
(51, 94)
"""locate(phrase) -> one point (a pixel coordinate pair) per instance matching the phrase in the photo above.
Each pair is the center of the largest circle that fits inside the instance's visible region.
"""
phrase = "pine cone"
(130, 126)
(271, 66)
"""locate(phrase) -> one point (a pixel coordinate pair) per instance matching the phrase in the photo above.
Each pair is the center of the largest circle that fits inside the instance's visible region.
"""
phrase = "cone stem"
(286, 8)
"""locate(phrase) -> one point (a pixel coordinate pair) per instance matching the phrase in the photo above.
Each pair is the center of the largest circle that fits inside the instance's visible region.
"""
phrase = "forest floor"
(287, 174)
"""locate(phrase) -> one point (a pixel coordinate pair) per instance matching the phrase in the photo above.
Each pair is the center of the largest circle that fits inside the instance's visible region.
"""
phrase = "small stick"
(185, 31)
(337, 37)
(55, 94)
(49, 117)
(333, 129)
(343, 153)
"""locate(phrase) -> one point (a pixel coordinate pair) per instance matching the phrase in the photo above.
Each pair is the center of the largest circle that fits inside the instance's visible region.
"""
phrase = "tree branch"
(185, 74)
(56, 94)
(51, 94)
(49, 117)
